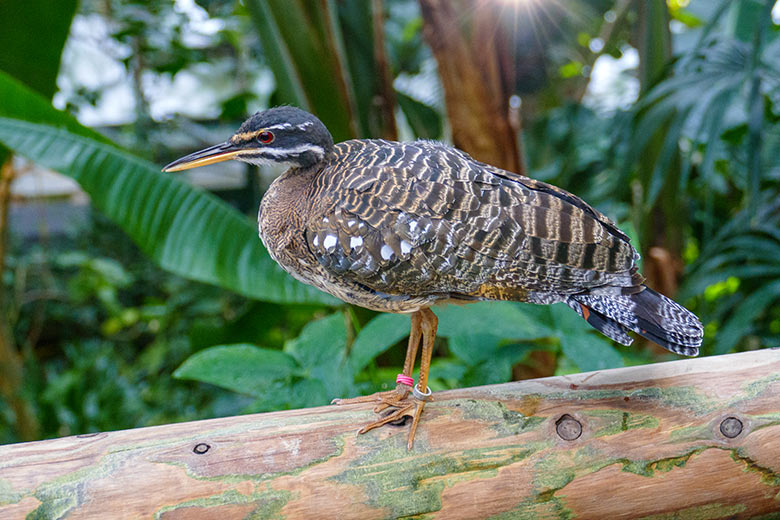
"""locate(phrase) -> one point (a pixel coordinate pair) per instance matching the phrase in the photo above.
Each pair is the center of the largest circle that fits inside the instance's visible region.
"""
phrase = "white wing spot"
(325, 219)
(350, 223)
(316, 240)
(386, 252)
(412, 225)
(406, 247)
(355, 242)
(329, 242)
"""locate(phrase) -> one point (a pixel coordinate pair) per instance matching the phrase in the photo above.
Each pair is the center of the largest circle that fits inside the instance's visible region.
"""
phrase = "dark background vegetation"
(161, 305)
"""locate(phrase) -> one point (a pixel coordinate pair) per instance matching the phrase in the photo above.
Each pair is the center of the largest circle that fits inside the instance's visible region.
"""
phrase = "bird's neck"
(284, 208)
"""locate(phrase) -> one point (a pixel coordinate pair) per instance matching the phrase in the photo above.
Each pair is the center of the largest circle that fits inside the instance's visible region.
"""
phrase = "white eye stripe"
(281, 152)
(282, 126)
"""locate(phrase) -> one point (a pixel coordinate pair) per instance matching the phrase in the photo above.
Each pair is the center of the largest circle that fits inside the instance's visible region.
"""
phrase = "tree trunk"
(661, 235)
(477, 65)
(11, 365)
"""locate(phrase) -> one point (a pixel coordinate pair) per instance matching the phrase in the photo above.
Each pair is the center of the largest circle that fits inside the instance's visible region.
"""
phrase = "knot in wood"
(568, 428)
(201, 448)
(731, 427)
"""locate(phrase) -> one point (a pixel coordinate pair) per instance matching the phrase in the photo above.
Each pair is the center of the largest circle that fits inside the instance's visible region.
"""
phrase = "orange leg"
(401, 391)
(424, 325)
(430, 324)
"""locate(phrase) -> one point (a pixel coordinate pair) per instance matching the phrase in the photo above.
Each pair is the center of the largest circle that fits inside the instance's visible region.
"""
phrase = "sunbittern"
(399, 227)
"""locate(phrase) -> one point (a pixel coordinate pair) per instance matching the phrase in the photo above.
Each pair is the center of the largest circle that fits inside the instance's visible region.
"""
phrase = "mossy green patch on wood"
(612, 422)
(553, 472)
(768, 475)
(686, 397)
(765, 420)
(648, 468)
(408, 484)
(267, 502)
(754, 389)
(503, 421)
(63, 493)
(534, 511)
(698, 432)
(7, 493)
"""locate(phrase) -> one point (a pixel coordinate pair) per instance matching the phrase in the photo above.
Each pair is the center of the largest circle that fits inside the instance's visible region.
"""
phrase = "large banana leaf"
(25, 55)
(187, 231)
(32, 35)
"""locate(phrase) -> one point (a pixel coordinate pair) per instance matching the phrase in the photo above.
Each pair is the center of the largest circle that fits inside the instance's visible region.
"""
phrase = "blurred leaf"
(32, 35)
(474, 347)
(744, 16)
(497, 367)
(356, 20)
(376, 337)
(489, 372)
(302, 43)
(320, 350)
(246, 369)
(24, 104)
(588, 350)
(425, 121)
(503, 319)
(187, 231)
(742, 320)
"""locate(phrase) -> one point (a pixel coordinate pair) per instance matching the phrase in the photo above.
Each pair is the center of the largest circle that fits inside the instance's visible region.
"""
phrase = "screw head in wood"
(731, 427)
(568, 428)
(201, 448)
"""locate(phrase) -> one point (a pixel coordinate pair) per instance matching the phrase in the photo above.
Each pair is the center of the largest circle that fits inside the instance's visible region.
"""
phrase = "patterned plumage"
(399, 227)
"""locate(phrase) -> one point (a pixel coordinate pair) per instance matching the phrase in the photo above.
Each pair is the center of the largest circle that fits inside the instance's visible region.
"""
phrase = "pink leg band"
(404, 380)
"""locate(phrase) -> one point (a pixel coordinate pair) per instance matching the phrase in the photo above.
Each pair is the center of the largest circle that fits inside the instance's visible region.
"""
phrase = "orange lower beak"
(213, 154)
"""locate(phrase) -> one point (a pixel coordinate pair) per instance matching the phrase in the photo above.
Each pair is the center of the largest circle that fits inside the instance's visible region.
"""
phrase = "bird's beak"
(213, 154)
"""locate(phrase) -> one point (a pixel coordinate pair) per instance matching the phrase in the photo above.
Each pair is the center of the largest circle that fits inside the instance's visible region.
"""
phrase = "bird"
(403, 226)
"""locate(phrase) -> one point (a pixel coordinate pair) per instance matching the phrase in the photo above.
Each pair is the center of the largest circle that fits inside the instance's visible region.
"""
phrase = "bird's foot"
(397, 399)
(383, 400)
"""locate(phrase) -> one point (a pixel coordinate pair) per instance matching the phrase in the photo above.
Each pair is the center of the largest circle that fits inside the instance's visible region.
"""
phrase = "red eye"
(265, 137)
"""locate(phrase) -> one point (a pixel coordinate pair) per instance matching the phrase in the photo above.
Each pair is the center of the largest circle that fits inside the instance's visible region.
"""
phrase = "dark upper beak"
(213, 154)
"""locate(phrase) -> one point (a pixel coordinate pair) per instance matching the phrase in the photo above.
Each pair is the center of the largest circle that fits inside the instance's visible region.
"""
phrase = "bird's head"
(277, 135)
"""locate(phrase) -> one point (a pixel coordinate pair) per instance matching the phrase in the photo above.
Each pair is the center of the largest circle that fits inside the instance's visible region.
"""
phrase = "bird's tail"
(646, 312)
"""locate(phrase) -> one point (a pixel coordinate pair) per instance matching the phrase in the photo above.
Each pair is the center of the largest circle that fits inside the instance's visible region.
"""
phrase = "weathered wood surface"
(651, 446)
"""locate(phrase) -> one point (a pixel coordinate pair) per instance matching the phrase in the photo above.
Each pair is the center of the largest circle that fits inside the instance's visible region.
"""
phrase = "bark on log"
(686, 439)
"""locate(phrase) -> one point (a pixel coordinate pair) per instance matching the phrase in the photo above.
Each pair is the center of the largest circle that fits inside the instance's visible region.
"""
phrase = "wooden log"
(694, 439)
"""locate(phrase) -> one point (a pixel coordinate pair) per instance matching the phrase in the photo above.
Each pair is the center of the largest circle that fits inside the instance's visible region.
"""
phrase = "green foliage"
(747, 256)
(318, 365)
(587, 350)
(26, 54)
(108, 328)
(242, 368)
